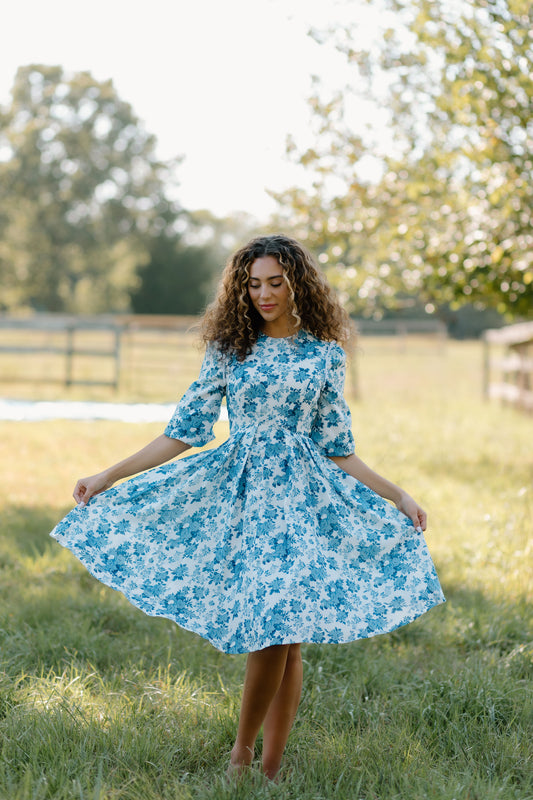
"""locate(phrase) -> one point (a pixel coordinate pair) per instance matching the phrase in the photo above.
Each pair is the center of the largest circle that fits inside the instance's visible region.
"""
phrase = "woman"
(280, 535)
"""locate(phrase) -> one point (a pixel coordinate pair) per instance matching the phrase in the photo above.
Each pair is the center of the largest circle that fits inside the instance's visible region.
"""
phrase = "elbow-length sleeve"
(199, 408)
(332, 426)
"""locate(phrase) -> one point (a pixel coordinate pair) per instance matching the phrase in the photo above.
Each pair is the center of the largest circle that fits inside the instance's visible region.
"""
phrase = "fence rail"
(137, 354)
(67, 328)
(147, 355)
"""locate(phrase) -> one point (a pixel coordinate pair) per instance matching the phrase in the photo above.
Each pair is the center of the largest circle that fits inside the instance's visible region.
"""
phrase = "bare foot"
(272, 773)
(241, 759)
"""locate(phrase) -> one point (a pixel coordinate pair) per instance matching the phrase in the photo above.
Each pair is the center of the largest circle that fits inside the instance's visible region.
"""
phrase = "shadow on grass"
(76, 752)
(24, 530)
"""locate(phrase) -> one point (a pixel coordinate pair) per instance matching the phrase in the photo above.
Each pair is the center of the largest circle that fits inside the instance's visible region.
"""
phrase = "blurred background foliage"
(88, 216)
(82, 194)
(447, 217)
(427, 213)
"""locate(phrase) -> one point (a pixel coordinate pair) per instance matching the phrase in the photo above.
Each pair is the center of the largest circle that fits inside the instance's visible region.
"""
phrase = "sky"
(220, 82)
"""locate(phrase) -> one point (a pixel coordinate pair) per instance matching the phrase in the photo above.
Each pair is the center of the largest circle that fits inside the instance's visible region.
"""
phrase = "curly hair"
(233, 322)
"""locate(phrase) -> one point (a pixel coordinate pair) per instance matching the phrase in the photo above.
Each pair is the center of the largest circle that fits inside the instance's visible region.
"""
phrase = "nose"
(265, 291)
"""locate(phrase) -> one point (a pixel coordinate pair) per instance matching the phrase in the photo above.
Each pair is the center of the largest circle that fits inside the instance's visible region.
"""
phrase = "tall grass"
(99, 701)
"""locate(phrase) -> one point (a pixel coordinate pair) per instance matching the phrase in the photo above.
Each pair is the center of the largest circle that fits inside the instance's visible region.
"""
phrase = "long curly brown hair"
(233, 322)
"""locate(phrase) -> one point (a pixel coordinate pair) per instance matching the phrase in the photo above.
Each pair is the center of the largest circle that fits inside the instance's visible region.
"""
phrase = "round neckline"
(280, 338)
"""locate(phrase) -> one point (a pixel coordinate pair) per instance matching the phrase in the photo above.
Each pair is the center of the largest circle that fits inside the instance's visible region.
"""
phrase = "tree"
(177, 279)
(450, 217)
(81, 192)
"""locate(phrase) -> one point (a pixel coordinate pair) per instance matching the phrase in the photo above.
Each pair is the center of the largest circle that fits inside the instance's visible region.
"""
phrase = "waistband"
(272, 424)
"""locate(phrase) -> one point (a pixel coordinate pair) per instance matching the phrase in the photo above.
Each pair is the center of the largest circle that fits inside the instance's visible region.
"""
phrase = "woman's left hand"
(411, 509)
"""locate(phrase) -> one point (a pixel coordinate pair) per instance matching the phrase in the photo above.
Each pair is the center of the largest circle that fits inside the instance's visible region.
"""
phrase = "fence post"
(486, 366)
(116, 374)
(401, 332)
(69, 353)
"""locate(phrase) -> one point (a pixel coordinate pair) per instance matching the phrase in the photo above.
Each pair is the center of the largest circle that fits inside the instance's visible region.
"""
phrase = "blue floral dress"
(263, 540)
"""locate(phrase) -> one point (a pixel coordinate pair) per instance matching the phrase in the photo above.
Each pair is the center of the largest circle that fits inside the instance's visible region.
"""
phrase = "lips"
(268, 308)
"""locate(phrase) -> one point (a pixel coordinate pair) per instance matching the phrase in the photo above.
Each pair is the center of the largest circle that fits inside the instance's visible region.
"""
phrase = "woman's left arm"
(353, 465)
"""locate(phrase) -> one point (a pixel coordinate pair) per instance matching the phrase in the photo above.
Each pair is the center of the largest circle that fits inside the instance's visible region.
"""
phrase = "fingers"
(82, 493)
(79, 492)
(416, 514)
(87, 488)
(420, 520)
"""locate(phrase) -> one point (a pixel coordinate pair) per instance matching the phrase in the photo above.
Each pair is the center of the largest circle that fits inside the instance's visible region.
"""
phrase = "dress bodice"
(294, 384)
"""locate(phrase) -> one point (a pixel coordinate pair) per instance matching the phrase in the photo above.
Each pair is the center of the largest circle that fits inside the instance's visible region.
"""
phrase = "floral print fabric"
(263, 540)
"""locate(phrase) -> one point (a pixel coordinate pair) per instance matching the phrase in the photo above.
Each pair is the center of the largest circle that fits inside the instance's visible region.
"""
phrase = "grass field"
(99, 701)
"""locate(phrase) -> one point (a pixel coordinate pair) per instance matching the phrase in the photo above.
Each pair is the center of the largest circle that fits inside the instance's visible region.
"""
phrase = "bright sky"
(221, 82)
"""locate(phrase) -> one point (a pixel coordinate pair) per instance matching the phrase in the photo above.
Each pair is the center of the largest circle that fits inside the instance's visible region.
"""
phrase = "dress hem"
(439, 600)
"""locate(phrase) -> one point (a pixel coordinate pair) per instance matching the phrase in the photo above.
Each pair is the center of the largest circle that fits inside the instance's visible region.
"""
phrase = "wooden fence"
(75, 338)
(63, 339)
(513, 366)
(141, 354)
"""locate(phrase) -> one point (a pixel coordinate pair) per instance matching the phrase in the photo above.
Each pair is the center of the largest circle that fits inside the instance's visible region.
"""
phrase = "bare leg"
(264, 673)
(280, 716)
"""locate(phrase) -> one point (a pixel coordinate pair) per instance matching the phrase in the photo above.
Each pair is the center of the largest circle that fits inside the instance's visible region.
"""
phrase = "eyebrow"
(270, 278)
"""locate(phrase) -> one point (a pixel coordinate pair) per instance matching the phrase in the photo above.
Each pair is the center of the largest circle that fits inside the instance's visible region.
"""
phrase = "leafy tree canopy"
(449, 219)
(81, 193)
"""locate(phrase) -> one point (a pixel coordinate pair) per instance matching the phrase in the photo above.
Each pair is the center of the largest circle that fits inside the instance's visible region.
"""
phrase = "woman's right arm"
(193, 419)
(161, 449)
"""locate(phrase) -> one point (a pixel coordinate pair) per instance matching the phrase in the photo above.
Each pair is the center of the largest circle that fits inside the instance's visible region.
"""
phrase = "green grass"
(99, 701)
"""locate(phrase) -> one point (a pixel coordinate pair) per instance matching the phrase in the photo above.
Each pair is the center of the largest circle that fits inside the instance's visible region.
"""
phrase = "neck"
(280, 328)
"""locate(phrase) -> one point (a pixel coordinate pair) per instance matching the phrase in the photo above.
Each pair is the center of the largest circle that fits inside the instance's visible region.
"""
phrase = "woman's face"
(268, 289)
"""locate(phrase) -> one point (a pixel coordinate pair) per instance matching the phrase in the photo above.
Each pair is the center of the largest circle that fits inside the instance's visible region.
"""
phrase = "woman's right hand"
(88, 487)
